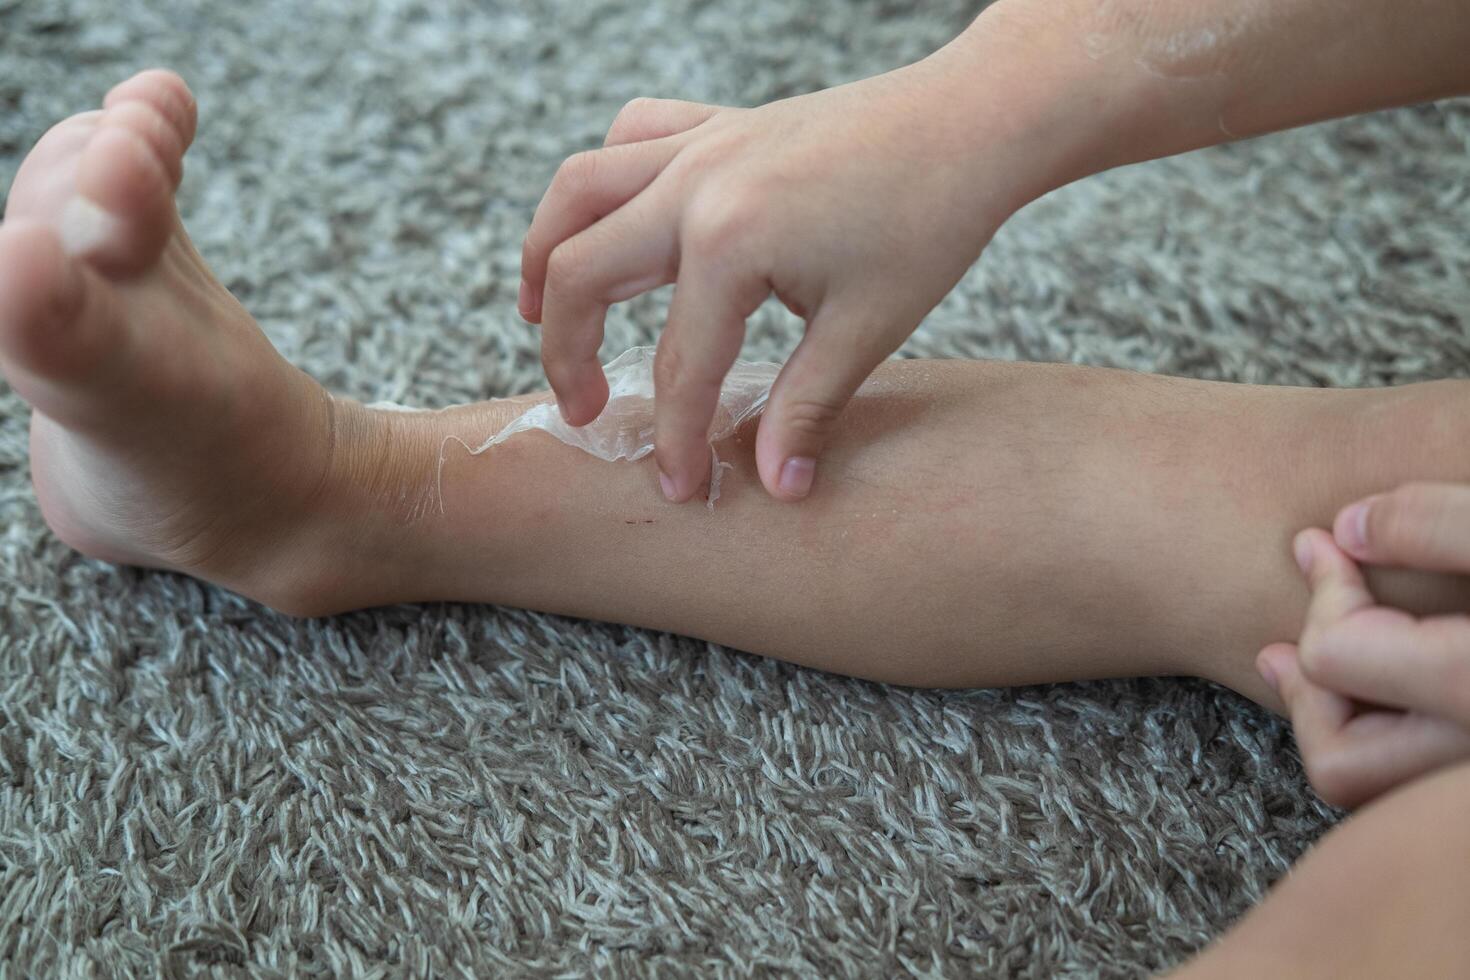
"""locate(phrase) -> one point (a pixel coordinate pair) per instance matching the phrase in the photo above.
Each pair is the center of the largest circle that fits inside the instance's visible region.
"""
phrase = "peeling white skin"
(624, 430)
(1171, 39)
(395, 407)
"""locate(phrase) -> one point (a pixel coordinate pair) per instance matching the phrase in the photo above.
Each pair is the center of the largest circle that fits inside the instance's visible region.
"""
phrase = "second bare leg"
(977, 524)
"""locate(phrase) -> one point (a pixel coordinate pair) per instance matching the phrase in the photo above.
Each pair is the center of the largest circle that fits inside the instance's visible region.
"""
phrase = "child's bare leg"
(1383, 895)
(975, 524)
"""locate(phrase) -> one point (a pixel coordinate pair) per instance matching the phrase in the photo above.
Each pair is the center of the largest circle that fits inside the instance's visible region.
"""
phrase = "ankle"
(374, 532)
(376, 478)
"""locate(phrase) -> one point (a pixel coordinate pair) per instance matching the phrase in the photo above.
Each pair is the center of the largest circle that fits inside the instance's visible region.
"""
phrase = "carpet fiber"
(192, 784)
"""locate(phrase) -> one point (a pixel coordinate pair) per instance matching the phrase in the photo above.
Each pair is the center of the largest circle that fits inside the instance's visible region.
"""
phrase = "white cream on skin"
(624, 430)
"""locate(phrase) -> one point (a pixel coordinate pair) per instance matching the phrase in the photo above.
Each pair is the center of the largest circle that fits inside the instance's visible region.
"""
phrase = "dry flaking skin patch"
(1174, 40)
(624, 430)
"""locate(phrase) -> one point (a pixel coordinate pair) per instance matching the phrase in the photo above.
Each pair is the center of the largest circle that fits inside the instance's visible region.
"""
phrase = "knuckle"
(719, 224)
(564, 264)
(809, 416)
(558, 372)
(1405, 519)
(678, 378)
(635, 109)
(627, 121)
(576, 175)
(671, 371)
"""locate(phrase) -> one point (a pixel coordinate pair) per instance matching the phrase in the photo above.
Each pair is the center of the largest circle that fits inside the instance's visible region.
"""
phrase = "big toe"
(60, 337)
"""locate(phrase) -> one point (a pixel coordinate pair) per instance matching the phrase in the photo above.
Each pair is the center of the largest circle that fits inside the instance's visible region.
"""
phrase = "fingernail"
(1302, 548)
(1268, 674)
(667, 484)
(83, 225)
(796, 475)
(528, 302)
(1352, 527)
(561, 410)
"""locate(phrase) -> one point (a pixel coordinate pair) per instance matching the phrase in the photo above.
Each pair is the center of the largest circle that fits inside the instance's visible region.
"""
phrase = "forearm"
(1109, 82)
(977, 524)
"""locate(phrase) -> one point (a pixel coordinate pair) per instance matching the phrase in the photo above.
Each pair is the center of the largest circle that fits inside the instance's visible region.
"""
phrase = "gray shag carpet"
(190, 783)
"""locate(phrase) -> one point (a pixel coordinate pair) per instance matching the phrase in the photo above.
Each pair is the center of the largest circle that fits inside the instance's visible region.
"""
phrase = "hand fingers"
(647, 119)
(705, 329)
(1375, 653)
(629, 251)
(832, 361)
(1353, 757)
(1337, 584)
(1418, 525)
(1315, 711)
(587, 186)
(1389, 657)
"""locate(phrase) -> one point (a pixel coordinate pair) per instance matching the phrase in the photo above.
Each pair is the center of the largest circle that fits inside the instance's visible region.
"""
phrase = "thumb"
(819, 379)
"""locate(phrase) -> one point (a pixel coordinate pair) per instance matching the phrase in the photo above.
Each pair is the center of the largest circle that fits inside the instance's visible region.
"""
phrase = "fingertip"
(1350, 528)
(796, 476)
(1319, 557)
(581, 392)
(528, 303)
(790, 479)
(787, 465)
(1275, 663)
(577, 411)
(1301, 550)
(679, 478)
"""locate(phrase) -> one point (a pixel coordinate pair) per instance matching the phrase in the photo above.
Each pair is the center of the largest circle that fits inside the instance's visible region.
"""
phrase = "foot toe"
(58, 334)
(48, 173)
(166, 92)
(146, 122)
(123, 212)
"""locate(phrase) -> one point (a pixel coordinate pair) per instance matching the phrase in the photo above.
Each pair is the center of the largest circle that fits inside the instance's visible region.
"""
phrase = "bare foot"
(167, 431)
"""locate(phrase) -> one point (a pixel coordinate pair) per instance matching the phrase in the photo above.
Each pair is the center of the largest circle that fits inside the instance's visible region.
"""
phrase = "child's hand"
(1377, 696)
(859, 207)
